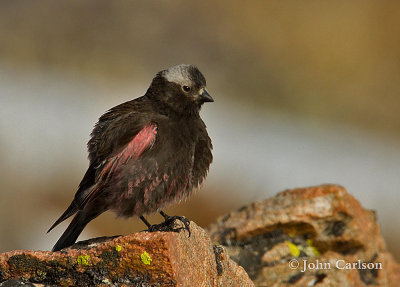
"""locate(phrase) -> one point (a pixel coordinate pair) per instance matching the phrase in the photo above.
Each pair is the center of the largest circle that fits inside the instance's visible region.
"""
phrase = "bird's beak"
(204, 96)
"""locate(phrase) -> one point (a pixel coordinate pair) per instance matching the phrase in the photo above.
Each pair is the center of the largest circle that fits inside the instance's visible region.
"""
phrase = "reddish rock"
(322, 228)
(139, 259)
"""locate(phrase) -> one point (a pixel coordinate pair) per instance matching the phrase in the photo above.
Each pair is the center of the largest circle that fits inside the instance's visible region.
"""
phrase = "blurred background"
(305, 93)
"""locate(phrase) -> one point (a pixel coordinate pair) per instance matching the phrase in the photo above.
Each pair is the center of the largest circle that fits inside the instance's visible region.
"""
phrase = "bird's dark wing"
(122, 133)
(117, 127)
(141, 142)
(87, 181)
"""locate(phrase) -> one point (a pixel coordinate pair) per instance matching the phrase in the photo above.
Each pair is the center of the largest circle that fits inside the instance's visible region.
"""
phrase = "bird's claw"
(168, 224)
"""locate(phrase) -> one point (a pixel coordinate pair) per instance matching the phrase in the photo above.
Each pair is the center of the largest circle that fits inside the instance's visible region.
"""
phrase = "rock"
(320, 230)
(139, 259)
(303, 237)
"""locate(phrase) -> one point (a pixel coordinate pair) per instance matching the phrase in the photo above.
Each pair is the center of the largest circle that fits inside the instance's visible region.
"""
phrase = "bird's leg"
(168, 224)
(170, 219)
(145, 221)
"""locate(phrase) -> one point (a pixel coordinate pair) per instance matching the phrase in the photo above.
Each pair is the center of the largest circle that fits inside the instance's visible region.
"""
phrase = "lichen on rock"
(316, 225)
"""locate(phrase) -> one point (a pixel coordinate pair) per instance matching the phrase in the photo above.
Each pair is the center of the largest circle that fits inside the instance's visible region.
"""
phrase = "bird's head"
(181, 88)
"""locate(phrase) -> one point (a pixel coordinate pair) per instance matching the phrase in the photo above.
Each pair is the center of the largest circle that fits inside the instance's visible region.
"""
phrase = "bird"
(145, 155)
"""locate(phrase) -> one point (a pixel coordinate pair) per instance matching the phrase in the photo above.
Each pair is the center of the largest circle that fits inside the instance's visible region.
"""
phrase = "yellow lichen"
(118, 248)
(312, 250)
(145, 257)
(294, 250)
(83, 260)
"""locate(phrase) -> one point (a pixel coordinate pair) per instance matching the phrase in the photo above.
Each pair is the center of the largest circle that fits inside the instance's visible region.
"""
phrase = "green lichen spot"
(145, 257)
(118, 248)
(83, 260)
(294, 250)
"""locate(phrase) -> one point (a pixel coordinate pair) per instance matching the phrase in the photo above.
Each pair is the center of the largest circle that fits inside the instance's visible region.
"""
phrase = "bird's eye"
(186, 89)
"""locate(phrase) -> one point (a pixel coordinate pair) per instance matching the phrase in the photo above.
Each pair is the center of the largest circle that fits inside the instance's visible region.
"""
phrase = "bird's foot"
(169, 224)
(169, 220)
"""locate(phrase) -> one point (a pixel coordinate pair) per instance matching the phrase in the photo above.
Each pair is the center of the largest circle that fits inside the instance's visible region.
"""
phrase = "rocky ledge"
(139, 259)
(317, 236)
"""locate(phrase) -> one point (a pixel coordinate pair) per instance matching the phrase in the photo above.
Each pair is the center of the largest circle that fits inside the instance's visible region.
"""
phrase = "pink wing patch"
(141, 142)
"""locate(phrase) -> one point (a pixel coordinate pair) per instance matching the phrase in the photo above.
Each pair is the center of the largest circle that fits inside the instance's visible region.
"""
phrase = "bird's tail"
(74, 229)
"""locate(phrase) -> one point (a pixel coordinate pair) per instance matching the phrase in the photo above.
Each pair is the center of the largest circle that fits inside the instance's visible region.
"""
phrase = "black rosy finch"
(145, 154)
